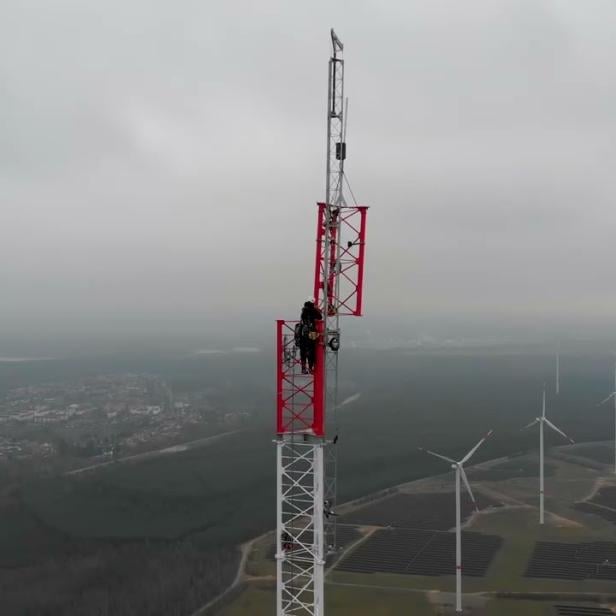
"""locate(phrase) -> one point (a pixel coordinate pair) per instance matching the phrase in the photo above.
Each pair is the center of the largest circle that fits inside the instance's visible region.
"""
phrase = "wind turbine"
(557, 373)
(459, 468)
(612, 395)
(541, 421)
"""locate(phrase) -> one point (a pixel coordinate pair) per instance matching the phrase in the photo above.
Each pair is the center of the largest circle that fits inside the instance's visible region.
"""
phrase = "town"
(107, 417)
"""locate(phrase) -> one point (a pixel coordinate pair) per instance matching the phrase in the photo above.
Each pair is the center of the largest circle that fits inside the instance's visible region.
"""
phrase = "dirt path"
(371, 586)
(245, 549)
(242, 576)
(514, 502)
(500, 496)
(564, 522)
(370, 530)
(597, 485)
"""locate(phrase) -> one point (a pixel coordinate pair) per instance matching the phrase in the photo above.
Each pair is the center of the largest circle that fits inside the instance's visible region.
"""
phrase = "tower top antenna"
(336, 43)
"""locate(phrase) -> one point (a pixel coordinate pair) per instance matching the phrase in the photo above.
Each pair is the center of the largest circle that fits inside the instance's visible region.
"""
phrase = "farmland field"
(371, 564)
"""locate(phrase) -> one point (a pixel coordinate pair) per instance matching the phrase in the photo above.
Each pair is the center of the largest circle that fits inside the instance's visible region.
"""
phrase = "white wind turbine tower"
(557, 373)
(542, 421)
(459, 468)
(612, 396)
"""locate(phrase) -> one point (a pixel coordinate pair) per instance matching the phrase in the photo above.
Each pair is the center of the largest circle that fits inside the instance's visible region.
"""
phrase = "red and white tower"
(305, 442)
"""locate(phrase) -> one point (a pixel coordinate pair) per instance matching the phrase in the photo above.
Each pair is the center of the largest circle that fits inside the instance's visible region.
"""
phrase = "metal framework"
(306, 458)
(300, 429)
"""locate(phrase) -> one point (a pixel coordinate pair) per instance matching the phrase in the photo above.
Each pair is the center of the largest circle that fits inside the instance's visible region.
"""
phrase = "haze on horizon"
(159, 162)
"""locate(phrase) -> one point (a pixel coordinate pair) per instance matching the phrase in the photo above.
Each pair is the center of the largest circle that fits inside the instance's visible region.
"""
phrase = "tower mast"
(305, 458)
(334, 201)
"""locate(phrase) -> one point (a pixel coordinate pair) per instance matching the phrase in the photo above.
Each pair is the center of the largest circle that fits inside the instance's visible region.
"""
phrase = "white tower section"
(300, 552)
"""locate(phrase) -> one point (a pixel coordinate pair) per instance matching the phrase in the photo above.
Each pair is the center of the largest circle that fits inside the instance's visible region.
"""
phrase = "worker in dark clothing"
(286, 541)
(327, 510)
(308, 338)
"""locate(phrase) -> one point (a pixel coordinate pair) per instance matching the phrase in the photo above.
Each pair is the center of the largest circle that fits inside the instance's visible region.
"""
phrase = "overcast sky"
(160, 161)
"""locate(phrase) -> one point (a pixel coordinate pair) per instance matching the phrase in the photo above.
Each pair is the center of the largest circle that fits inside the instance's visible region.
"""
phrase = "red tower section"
(339, 258)
(299, 396)
(345, 259)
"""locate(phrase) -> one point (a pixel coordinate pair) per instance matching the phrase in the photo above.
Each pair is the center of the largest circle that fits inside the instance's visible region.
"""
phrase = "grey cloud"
(159, 162)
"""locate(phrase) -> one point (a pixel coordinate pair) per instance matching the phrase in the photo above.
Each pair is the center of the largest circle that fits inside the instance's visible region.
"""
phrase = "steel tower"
(305, 429)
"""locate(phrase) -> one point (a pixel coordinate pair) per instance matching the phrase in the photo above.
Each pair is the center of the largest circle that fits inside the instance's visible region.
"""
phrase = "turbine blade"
(438, 455)
(475, 448)
(547, 421)
(468, 488)
(607, 399)
(532, 423)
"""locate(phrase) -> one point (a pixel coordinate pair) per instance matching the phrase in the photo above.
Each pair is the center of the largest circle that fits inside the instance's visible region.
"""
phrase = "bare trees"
(140, 578)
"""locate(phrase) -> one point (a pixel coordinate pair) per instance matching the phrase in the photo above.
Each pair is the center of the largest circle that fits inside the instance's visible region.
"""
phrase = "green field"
(512, 607)
(366, 601)
(340, 600)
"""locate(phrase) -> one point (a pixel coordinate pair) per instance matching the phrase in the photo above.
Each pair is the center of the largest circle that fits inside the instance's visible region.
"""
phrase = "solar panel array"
(573, 561)
(421, 552)
(430, 510)
(582, 610)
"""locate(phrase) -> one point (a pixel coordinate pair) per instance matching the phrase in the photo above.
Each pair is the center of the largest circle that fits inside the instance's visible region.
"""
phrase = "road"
(157, 453)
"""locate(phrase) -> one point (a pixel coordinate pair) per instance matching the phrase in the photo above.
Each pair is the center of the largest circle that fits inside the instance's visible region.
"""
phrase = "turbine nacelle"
(544, 420)
(458, 465)
(547, 422)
